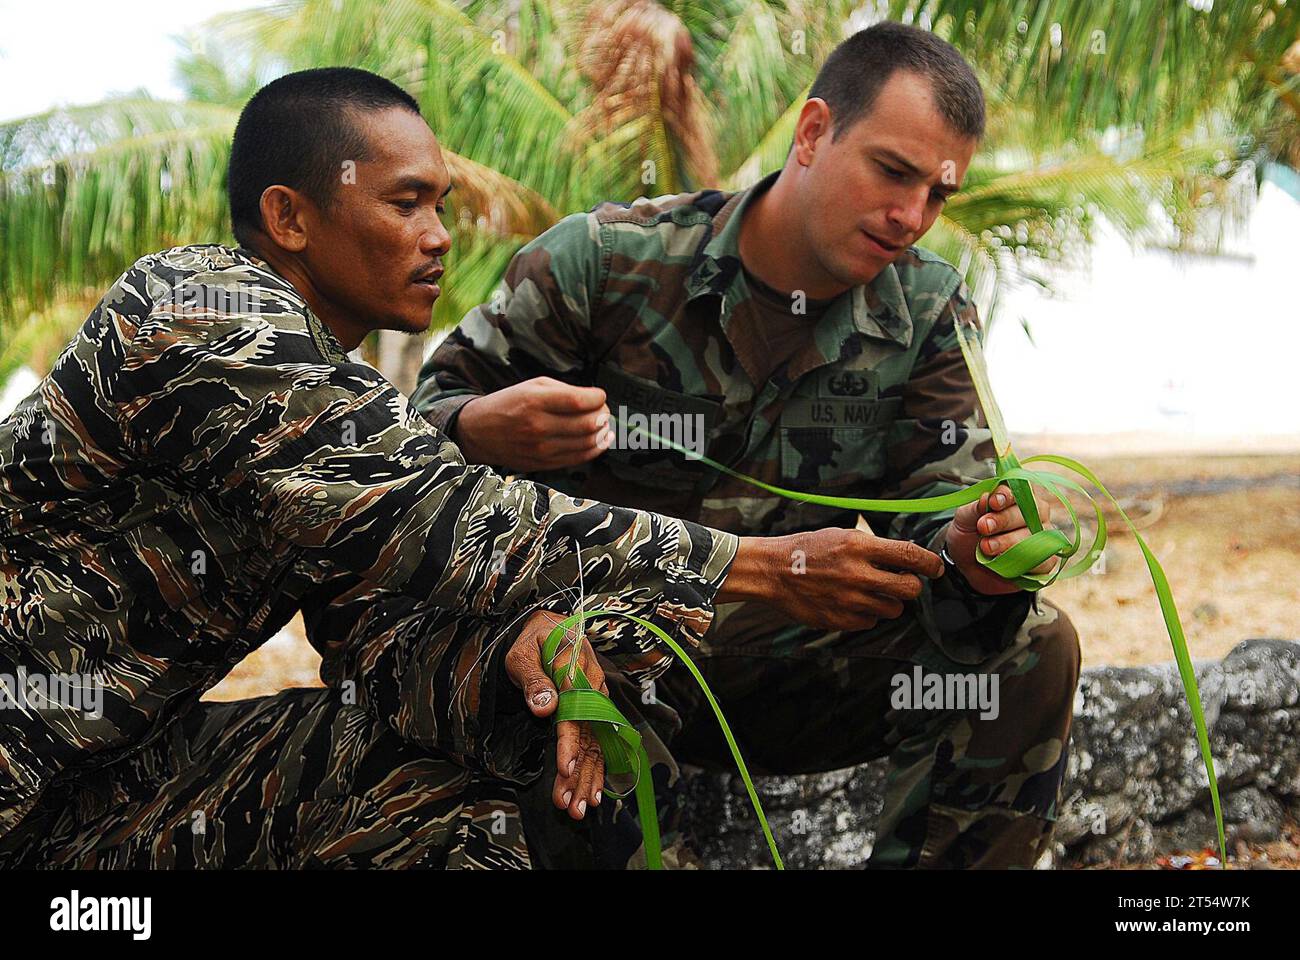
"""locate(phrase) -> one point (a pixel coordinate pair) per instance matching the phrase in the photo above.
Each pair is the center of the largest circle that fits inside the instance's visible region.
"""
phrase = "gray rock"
(1135, 783)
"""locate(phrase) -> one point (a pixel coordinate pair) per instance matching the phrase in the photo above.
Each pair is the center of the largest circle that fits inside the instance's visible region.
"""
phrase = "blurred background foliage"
(1156, 116)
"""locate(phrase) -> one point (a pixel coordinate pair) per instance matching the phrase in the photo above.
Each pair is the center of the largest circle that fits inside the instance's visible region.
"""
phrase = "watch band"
(959, 580)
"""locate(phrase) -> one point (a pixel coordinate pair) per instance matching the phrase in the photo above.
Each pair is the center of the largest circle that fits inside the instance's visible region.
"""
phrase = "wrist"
(958, 553)
(751, 575)
(462, 432)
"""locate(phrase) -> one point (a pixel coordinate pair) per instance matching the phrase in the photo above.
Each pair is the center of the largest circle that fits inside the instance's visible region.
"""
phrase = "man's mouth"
(889, 248)
(428, 281)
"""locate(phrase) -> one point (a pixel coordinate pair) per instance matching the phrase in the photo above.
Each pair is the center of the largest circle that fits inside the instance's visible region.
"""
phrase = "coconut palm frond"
(498, 204)
(756, 78)
(771, 150)
(471, 87)
(83, 192)
(1109, 63)
(1011, 221)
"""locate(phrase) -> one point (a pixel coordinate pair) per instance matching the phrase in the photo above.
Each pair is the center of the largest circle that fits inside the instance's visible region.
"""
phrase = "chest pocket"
(644, 404)
(835, 442)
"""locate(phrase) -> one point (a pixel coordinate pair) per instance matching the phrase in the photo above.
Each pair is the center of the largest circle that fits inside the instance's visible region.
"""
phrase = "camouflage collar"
(326, 342)
(877, 309)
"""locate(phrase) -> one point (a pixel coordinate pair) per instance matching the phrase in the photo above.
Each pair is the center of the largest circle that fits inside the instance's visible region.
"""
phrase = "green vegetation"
(1109, 109)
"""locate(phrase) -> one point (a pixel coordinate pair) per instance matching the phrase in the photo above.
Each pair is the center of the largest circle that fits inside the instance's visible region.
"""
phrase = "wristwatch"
(959, 580)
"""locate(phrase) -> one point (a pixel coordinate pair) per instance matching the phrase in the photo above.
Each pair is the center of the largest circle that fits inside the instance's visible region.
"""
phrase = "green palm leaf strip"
(620, 743)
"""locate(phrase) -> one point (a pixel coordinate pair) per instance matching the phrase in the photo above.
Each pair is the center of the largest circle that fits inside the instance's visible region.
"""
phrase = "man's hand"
(995, 524)
(581, 766)
(540, 424)
(835, 579)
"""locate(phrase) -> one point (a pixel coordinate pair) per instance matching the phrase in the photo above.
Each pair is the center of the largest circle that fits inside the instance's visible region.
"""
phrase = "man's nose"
(435, 240)
(909, 212)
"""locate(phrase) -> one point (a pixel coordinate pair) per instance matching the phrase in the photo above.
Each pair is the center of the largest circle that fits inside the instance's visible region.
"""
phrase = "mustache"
(433, 266)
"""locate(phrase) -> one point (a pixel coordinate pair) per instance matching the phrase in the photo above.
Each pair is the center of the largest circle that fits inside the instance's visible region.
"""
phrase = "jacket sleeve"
(940, 444)
(327, 455)
(536, 323)
(436, 678)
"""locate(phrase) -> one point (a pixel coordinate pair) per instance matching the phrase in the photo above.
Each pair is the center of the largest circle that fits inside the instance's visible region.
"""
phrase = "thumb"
(524, 667)
(968, 514)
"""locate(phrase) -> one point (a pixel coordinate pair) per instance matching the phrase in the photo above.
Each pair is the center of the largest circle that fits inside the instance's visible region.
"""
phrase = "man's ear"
(283, 220)
(812, 127)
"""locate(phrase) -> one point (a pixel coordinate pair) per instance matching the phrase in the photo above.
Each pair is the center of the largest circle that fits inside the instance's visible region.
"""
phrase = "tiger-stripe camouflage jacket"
(202, 454)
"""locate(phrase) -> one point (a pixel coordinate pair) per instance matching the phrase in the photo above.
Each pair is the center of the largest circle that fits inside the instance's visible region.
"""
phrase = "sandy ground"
(1226, 529)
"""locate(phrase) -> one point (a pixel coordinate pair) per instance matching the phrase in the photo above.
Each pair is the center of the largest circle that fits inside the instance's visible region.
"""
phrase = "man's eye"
(941, 197)
(890, 171)
(406, 204)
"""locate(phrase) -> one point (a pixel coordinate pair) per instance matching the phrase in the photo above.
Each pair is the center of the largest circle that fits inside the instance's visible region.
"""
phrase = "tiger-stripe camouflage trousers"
(301, 779)
(295, 780)
(964, 788)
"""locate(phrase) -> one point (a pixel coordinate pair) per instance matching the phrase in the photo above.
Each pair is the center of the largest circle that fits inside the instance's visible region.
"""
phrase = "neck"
(347, 330)
(773, 246)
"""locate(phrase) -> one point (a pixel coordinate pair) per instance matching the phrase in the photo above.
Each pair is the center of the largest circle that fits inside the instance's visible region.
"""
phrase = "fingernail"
(573, 765)
(602, 420)
(997, 502)
(541, 699)
(598, 795)
(582, 807)
(568, 795)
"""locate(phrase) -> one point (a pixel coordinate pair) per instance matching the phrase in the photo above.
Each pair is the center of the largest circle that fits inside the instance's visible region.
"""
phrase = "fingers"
(875, 606)
(995, 546)
(564, 399)
(568, 748)
(591, 777)
(580, 769)
(589, 423)
(569, 449)
(902, 586)
(1005, 514)
(905, 555)
(579, 764)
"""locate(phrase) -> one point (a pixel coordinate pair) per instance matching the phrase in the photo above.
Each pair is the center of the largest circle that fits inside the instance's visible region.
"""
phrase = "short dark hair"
(298, 131)
(856, 71)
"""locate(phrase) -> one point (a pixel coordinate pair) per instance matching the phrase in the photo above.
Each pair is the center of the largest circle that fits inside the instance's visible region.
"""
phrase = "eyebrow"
(946, 189)
(420, 185)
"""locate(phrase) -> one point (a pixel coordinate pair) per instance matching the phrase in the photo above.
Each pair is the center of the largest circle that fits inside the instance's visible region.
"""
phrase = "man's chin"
(410, 325)
(862, 273)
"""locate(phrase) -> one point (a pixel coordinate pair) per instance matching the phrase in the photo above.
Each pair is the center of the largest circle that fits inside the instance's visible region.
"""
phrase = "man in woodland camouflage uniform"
(816, 348)
(204, 459)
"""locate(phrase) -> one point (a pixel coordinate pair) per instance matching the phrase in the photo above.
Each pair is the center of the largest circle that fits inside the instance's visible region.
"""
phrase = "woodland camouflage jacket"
(644, 300)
